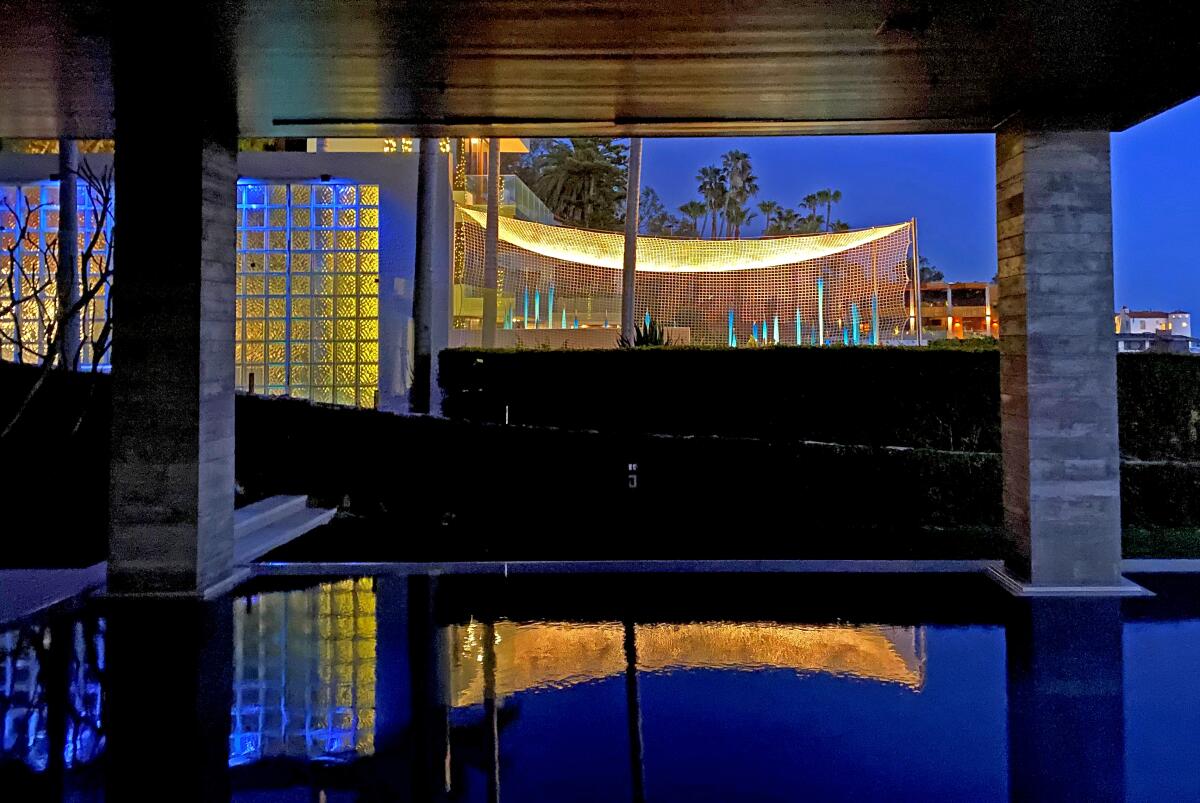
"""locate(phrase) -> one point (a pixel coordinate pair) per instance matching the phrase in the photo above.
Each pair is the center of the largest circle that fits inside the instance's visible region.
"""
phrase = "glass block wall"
(28, 292)
(304, 673)
(307, 305)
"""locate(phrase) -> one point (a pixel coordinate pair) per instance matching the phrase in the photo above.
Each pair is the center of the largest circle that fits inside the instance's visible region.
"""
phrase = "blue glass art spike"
(821, 310)
(874, 320)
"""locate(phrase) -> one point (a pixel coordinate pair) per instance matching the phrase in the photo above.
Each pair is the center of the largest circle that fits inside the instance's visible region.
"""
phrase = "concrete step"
(253, 544)
(265, 512)
(24, 592)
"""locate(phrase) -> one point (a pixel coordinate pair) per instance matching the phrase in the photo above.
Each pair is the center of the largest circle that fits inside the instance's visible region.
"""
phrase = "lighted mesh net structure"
(842, 287)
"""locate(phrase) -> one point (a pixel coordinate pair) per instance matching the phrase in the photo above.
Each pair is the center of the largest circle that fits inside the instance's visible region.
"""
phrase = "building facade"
(958, 310)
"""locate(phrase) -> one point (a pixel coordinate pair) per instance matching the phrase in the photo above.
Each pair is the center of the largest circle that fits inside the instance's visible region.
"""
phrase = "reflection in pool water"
(304, 673)
(72, 650)
(555, 655)
(400, 688)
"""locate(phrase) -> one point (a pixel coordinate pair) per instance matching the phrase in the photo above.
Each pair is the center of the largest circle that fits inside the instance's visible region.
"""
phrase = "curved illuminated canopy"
(667, 255)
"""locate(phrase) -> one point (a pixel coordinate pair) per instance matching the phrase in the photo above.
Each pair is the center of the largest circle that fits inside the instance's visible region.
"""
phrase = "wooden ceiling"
(656, 67)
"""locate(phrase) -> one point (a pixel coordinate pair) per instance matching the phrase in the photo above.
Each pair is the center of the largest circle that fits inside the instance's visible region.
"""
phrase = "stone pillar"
(949, 312)
(1062, 504)
(491, 244)
(423, 277)
(633, 196)
(67, 273)
(171, 492)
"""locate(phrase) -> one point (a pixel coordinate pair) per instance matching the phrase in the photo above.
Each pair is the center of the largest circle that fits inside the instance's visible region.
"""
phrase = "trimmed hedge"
(443, 489)
(56, 468)
(945, 399)
(875, 397)
(1158, 396)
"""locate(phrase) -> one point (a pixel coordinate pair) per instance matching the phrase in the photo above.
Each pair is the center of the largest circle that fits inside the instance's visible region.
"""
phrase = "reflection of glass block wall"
(24, 735)
(307, 305)
(304, 673)
(28, 250)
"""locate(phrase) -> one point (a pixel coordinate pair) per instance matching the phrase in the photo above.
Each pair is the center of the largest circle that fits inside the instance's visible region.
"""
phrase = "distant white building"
(1155, 330)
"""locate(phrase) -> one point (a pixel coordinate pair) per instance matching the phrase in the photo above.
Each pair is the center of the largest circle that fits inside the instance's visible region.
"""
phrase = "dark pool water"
(603, 688)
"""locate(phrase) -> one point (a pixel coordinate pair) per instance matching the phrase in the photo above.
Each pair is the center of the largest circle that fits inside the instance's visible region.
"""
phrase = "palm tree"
(829, 198)
(737, 216)
(810, 223)
(786, 221)
(582, 180)
(769, 210)
(694, 210)
(714, 191)
(812, 203)
(743, 185)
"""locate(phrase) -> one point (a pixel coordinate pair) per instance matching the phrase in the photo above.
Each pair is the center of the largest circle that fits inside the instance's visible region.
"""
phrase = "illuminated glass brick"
(328, 306)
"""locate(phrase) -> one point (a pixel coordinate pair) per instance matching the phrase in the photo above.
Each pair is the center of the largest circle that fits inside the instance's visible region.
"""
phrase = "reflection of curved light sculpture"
(550, 655)
(697, 283)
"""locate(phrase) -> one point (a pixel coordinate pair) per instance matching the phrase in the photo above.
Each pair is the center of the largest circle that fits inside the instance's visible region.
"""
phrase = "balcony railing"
(513, 192)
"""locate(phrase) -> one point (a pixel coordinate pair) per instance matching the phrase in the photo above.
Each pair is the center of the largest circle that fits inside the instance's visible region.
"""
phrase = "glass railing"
(513, 192)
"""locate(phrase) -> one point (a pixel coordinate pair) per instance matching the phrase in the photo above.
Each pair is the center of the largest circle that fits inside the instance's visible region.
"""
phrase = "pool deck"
(27, 591)
(24, 592)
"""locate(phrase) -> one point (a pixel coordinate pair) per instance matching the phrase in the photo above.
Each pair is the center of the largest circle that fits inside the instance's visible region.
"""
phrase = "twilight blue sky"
(947, 183)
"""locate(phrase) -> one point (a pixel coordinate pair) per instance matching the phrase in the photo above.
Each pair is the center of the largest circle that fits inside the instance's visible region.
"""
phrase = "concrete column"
(633, 196)
(491, 244)
(171, 497)
(423, 278)
(67, 275)
(1062, 505)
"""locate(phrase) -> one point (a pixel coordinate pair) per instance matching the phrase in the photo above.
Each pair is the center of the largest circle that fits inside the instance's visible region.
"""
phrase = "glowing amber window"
(307, 306)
